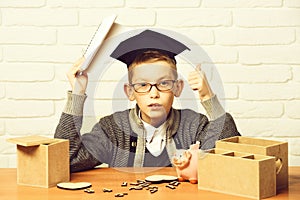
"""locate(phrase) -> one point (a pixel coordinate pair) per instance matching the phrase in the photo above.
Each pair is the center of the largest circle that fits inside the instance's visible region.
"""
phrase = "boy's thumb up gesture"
(198, 81)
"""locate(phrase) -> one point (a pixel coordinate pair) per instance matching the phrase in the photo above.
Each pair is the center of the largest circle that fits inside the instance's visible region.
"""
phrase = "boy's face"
(155, 105)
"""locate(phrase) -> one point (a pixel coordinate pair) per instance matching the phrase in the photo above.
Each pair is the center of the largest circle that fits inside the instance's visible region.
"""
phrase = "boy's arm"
(198, 82)
(213, 108)
(71, 120)
(69, 128)
(212, 130)
(220, 124)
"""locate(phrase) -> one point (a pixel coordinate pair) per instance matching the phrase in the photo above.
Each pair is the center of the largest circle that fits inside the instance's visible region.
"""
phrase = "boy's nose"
(154, 93)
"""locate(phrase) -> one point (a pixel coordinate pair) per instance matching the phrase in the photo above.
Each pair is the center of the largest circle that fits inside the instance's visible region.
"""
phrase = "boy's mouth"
(155, 106)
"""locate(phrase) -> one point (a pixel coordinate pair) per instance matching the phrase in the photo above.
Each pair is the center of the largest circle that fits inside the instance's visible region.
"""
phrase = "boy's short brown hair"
(151, 56)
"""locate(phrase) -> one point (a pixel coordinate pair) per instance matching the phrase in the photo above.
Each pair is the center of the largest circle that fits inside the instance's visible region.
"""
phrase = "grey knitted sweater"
(119, 139)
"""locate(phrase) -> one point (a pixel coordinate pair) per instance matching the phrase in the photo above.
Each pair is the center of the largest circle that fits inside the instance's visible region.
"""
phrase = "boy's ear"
(129, 92)
(178, 88)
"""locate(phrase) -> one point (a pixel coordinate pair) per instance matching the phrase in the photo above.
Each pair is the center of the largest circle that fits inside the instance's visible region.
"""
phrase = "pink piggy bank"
(186, 165)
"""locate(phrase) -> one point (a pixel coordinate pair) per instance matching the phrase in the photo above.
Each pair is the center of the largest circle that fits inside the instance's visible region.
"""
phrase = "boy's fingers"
(79, 62)
(75, 70)
(80, 73)
(198, 68)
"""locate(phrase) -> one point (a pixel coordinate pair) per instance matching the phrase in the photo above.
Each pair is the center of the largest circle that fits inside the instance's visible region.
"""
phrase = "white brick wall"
(29, 35)
(26, 108)
(41, 17)
(26, 72)
(254, 44)
(263, 36)
(193, 17)
(2, 91)
(267, 17)
(241, 3)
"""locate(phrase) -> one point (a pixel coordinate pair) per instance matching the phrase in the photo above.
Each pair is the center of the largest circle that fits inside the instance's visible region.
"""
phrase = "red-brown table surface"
(113, 177)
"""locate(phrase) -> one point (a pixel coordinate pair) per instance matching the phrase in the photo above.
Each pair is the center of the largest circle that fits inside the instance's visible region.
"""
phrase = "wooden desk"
(113, 178)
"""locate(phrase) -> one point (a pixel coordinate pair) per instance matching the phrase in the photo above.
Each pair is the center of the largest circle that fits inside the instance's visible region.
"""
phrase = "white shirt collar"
(155, 137)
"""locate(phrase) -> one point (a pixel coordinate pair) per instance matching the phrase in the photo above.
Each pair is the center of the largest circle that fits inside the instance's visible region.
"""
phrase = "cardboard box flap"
(32, 140)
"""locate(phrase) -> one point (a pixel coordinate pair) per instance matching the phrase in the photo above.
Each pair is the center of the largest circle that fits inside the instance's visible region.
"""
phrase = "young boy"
(150, 133)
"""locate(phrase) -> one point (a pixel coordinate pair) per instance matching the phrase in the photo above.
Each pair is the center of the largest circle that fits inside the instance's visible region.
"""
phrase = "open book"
(106, 30)
(97, 40)
(107, 36)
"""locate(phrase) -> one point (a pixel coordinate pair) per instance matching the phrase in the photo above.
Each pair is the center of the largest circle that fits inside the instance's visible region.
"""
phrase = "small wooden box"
(42, 161)
(264, 147)
(237, 173)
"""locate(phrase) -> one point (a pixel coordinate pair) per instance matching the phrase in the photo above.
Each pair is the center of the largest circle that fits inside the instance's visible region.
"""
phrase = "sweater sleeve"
(69, 128)
(213, 108)
(75, 103)
(217, 129)
(219, 126)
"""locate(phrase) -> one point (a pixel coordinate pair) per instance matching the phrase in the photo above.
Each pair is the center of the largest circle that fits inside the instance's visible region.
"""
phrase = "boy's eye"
(164, 83)
(142, 84)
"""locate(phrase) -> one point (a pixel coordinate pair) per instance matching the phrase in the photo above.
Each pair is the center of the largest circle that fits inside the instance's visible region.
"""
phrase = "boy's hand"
(78, 80)
(198, 81)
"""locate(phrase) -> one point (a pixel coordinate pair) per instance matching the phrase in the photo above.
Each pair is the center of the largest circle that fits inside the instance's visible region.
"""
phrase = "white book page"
(97, 40)
(116, 34)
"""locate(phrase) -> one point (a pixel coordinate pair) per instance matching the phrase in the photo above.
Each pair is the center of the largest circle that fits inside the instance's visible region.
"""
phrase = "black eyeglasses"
(161, 86)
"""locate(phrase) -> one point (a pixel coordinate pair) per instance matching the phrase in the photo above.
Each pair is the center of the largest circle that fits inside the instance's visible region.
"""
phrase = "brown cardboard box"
(237, 173)
(42, 161)
(264, 147)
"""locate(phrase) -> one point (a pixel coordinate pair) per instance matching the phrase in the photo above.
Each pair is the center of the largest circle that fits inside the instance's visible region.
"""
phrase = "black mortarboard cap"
(130, 48)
